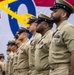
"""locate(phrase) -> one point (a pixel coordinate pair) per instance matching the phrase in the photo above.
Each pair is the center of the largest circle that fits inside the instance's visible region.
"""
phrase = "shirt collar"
(61, 25)
(46, 33)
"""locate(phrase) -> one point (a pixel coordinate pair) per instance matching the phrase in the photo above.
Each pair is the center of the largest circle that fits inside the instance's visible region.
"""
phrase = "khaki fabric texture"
(15, 68)
(32, 72)
(10, 68)
(42, 52)
(7, 66)
(62, 44)
(15, 72)
(23, 58)
(43, 73)
(35, 72)
(22, 72)
(2, 66)
(60, 69)
(15, 57)
(32, 49)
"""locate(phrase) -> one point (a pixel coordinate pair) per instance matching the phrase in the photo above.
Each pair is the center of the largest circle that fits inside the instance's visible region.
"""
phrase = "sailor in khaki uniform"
(17, 41)
(11, 55)
(15, 70)
(61, 52)
(14, 50)
(22, 62)
(35, 38)
(11, 63)
(42, 47)
(7, 61)
(8, 51)
(8, 66)
(2, 65)
(15, 57)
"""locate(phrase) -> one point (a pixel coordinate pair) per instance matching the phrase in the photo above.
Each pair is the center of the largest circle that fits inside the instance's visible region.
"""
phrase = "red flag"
(1, 0)
(44, 2)
(71, 2)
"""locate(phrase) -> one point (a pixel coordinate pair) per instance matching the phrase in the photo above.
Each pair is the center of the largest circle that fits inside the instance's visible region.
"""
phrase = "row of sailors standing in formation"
(26, 55)
(47, 53)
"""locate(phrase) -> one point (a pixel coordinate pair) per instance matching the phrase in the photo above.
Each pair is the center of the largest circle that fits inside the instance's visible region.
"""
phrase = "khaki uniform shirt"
(23, 60)
(7, 65)
(15, 57)
(2, 67)
(33, 43)
(42, 52)
(62, 44)
(11, 63)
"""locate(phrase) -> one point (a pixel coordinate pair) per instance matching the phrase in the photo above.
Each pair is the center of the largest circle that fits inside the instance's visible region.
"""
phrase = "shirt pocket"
(22, 53)
(22, 50)
(57, 41)
(44, 47)
(41, 44)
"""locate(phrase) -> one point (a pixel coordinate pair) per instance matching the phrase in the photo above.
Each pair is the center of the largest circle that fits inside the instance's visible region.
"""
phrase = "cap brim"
(52, 8)
(16, 36)
(13, 44)
(8, 44)
(21, 31)
(29, 22)
(38, 21)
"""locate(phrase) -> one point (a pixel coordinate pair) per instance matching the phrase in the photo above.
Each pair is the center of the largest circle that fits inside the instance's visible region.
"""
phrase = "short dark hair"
(16, 36)
(1, 56)
(49, 24)
(8, 50)
(68, 14)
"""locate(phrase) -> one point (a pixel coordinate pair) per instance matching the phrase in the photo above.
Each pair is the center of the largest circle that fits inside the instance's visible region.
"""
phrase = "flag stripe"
(45, 3)
(1, 0)
(71, 2)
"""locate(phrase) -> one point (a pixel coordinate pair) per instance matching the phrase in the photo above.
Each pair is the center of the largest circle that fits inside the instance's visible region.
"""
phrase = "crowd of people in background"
(47, 52)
